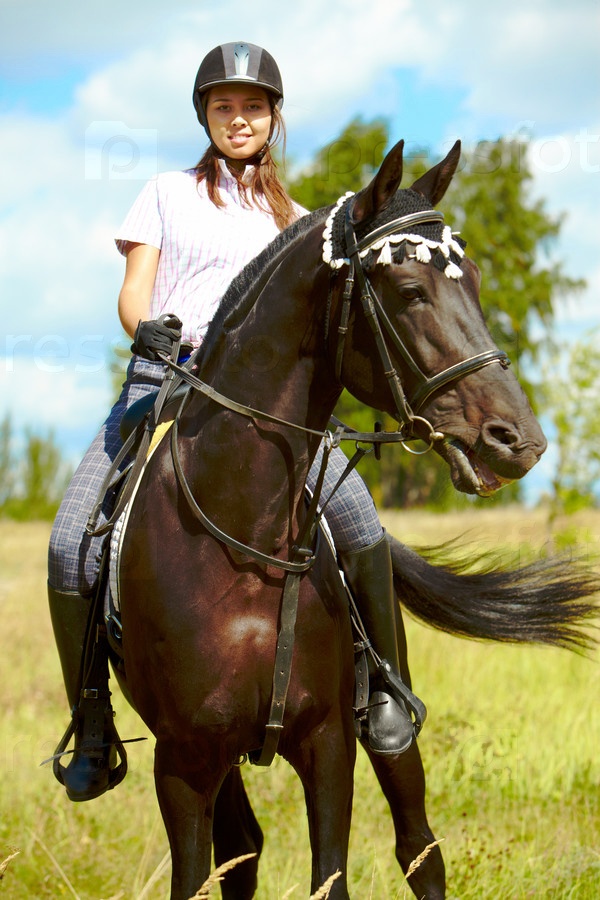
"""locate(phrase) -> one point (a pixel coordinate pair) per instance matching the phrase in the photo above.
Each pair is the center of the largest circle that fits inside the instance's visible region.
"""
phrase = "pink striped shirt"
(202, 246)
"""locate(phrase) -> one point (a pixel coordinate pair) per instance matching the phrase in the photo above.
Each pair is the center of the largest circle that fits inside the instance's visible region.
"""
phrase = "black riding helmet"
(236, 63)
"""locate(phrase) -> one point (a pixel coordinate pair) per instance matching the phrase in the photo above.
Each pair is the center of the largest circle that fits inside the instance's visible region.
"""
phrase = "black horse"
(214, 526)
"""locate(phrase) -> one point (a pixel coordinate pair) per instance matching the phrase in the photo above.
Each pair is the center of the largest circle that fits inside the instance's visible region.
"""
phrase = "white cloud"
(35, 152)
(51, 394)
(58, 261)
(522, 63)
(566, 176)
(534, 56)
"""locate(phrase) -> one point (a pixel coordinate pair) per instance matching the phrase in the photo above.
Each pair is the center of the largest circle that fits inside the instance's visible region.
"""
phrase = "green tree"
(43, 475)
(7, 474)
(32, 481)
(511, 236)
(574, 406)
(508, 233)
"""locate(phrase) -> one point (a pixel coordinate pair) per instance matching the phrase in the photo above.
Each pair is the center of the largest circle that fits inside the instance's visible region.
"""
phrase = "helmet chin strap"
(255, 160)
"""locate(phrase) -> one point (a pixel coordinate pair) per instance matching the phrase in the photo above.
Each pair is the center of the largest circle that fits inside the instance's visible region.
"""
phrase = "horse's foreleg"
(186, 792)
(403, 782)
(235, 833)
(326, 768)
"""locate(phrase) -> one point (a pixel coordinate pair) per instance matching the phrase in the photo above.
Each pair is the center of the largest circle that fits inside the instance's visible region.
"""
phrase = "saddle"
(139, 412)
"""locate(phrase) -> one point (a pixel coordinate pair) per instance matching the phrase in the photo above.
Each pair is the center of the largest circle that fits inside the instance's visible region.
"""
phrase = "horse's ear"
(378, 194)
(434, 184)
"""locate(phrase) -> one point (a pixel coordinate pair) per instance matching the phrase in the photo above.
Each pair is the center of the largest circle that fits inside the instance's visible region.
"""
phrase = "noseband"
(407, 409)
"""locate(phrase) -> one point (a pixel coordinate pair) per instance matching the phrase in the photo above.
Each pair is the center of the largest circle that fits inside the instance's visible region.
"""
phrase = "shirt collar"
(226, 174)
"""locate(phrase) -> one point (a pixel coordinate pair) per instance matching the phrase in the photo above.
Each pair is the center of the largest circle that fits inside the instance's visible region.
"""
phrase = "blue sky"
(81, 87)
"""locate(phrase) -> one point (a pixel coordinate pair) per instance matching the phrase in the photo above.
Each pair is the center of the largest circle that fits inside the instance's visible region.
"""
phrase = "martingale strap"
(282, 671)
(304, 553)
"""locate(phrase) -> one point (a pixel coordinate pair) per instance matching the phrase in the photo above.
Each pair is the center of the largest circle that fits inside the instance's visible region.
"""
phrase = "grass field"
(510, 749)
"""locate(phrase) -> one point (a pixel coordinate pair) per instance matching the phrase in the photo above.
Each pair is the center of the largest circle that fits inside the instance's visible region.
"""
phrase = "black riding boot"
(369, 575)
(91, 770)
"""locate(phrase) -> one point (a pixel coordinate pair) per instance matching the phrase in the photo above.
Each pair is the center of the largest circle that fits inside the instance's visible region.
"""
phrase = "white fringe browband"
(423, 246)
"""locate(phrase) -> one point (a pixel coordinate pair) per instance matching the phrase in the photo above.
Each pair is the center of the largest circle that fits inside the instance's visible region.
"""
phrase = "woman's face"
(239, 119)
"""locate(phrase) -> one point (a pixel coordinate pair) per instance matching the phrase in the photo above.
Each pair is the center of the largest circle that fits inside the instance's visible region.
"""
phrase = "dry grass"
(4, 865)
(218, 875)
(510, 528)
(420, 859)
(510, 748)
(325, 889)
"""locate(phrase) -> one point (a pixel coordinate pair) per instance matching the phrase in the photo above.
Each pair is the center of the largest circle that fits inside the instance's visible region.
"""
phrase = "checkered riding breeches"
(74, 555)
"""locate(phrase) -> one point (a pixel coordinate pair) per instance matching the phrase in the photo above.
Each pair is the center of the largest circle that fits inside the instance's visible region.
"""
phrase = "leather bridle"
(407, 409)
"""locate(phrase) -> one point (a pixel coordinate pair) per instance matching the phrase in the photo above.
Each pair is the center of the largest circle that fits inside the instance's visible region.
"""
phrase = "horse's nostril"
(499, 435)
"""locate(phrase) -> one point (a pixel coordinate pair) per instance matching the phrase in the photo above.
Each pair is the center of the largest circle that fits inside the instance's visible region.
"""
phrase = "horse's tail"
(549, 601)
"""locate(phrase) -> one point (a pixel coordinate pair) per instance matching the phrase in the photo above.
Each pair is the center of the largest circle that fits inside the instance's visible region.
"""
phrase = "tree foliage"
(573, 405)
(120, 357)
(511, 237)
(509, 234)
(32, 479)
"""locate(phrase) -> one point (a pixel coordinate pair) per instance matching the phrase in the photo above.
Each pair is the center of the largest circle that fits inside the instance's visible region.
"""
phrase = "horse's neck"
(273, 361)
(271, 351)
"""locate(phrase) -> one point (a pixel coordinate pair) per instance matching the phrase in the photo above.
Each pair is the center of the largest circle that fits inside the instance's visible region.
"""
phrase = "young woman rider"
(185, 238)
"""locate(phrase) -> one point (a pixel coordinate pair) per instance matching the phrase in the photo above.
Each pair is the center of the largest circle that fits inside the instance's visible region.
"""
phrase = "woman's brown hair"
(265, 187)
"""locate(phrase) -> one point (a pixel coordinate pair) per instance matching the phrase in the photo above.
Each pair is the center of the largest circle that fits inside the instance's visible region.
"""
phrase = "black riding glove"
(156, 335)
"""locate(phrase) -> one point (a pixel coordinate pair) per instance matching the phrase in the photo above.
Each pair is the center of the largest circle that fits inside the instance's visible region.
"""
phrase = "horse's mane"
(241, 294)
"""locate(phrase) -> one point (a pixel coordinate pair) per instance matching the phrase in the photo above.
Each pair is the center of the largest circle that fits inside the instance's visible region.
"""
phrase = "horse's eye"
(411, 293)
